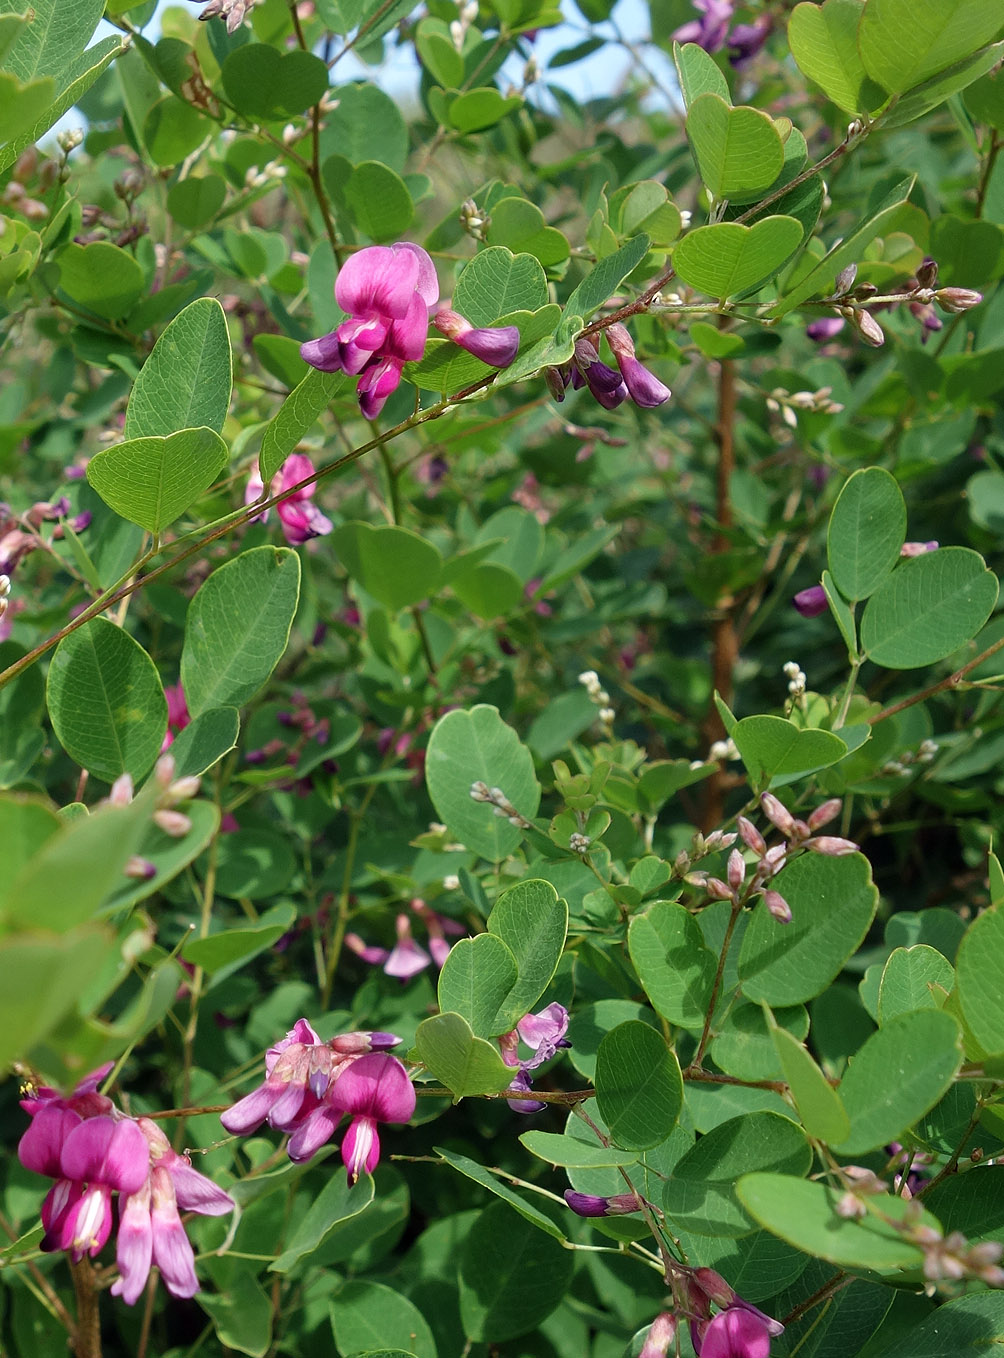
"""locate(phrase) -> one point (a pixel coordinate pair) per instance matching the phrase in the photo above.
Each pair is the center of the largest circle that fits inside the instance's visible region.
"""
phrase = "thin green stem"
(845, 701)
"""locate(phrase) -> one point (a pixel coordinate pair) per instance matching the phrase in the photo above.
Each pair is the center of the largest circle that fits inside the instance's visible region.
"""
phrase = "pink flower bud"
(825, 813)
(777, 906)
(777, 813)
(661, 1334)
(736, 870)
(811, 602)
(957, 300)
(868, 328)
(751, 836)
(718, 890)
(497, 345)
(831, 845)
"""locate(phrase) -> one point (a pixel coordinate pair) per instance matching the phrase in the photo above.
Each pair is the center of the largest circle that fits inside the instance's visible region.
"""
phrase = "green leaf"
(205, 741)
(254, 864)
(510, 1278)
(842, 612)
(819, 1105)
(824, 42)
(571, 1153)
(465, 1064)
(474, 110)
(773, 747)
(334, 1207)
(605, 277)
(833, 901)
(639, 1087)
(102, 278)
(22, 105)
(42, 979)
(74, 80)
(897, 1076)
(262, 82)
(488, 590)
(152, 481)
(496, 282)
(393, 564)
(738, 150)
(242, 1316)
(728, 258)
(980, 970)
(52, 38)
(805, 1215)
(173, 129)
(231, 946)
(295, 417)
(532, 922)
(472, 1170)
(379, 201)
(520, 226)
(867, 528)
(365, 118)
(437, 53)
(985, 101)
(848, 250)
(698, 73)
(238, 626)
(675, 968)
(928, 608)
(910, 980)
(903, 42)
(477, 745)
(743, 1045)
(195, 201)
(963, 1326)
(700, 1194)
(941, 87)
(476, 977)
(187, 380)
(365, 1315)
(106, 701)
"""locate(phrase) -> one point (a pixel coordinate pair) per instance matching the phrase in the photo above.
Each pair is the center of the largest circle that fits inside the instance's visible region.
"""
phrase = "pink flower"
(373, 1089)
(407, 958)
(735, 1333)
(711, 30)
(387, 292)
(544, 1034)
(300, 518)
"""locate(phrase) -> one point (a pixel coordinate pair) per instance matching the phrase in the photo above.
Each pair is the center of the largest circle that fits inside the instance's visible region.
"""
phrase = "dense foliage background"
(503, 718)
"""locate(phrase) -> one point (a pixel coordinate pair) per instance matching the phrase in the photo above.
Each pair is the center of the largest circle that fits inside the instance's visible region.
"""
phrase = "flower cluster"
(92, 1150)
(310, 1085)
(630, 380)
(738, 1329)
(301, 519)
(407, 957)
(387, 293)
(544, 1034)
(713, 30)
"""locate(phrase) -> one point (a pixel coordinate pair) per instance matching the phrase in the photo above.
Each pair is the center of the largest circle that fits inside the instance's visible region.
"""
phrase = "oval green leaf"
(928, 608)
(187, 380)
(728, 258)
(639, 1087)
(737, 150)
(106, 701)
(867, 528)
(152, 481)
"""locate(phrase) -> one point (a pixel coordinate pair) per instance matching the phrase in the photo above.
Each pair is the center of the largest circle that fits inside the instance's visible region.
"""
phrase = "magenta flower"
(373, 1089)
(711, 29)
(387, 292)
(735, 1333)
(917, 548)
(589, 1205)
(644, 387)
(407, 958)
(746, 40)
(811, 602)
(544, 1034)
(300, 518)
(497, 345)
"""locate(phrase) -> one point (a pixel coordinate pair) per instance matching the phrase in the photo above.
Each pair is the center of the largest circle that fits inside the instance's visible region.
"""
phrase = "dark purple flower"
(497, 345)
(811, 602)
(825, 328)
(605, 384)
(644, 387)
(746, 40)
(588, 1205)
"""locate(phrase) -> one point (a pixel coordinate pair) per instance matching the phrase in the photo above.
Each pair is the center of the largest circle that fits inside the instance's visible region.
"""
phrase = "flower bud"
(831, 845)
(496, 345)
(141, 869)
(173, 823)
(957, 300)
(588, 1205)
(751, 836)
(777, 813)
(736, 870)
(868, 328)
(777, 906)
(811, 602)
(825, 813)
(845, 280)
(718, 890)
(661, 1334)
(927, 274)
